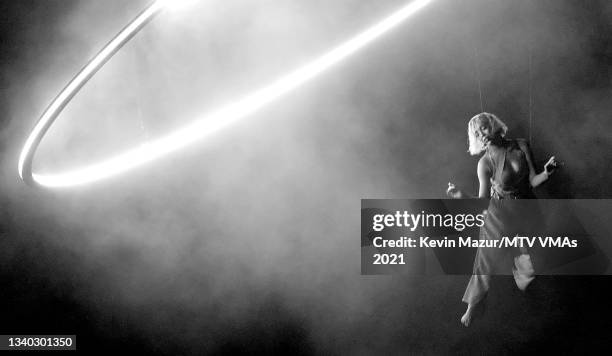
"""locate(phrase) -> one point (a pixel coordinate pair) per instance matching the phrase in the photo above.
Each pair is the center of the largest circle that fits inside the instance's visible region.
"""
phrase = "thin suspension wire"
(530, 100)
(530, 44)
(144, 134)
(476, 62)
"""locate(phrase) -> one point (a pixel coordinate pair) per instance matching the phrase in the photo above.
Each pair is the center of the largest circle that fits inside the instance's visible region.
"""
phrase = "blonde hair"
(475, 146)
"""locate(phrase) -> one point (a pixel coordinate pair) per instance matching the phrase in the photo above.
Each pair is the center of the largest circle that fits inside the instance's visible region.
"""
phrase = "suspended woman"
(505, 171)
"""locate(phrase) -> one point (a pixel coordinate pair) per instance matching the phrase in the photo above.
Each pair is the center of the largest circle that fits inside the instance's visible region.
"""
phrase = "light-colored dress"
(505, 216)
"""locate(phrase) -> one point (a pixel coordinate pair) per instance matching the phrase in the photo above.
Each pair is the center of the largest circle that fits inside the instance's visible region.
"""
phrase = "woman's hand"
(549, 168)
(453, 192)
(551, 165)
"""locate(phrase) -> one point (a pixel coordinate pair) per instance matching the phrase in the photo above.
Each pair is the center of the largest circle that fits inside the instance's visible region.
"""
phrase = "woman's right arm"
(484, 180)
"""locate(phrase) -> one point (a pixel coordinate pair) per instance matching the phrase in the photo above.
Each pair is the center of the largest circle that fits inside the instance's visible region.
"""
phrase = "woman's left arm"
(535, 179)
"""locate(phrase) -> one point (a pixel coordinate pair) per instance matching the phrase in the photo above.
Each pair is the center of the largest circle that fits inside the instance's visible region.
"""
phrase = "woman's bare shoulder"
(484, 163)
(522, 142)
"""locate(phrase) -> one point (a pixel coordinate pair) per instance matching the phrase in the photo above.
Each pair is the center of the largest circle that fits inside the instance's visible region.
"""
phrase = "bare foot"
(467, 317)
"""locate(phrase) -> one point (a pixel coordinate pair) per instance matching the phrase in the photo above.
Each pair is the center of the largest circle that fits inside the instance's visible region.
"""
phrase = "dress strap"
(498, 168)
(500, 164)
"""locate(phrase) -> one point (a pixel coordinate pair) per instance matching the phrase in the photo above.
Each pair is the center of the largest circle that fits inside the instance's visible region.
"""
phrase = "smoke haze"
(251, 235)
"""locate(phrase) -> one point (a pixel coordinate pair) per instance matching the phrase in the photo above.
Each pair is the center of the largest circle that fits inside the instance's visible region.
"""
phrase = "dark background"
(248, 241)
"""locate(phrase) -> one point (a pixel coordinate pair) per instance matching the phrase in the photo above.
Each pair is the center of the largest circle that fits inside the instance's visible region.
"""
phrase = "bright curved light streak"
(196, 130)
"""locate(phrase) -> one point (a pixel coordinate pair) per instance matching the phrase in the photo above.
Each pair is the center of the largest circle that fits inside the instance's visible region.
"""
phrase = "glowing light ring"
(199, 128)
(59, 103)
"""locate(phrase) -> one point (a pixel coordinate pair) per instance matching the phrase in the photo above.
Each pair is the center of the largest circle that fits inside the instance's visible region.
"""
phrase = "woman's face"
(484, 131)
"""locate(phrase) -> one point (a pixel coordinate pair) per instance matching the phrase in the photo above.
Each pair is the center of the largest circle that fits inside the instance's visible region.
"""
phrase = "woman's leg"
(523, 271)
(476, 290)
(478, 286)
